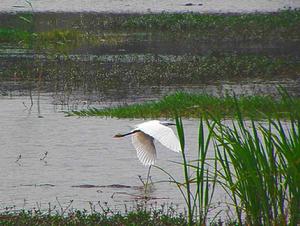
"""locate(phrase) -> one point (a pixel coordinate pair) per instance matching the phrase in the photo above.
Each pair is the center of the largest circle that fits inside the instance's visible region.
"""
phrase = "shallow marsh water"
(82, 157)
(81, 152)
(84, 163)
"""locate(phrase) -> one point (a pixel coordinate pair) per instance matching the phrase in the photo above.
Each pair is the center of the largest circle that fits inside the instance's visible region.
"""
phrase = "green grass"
(60, 41)
(180, 22)
(260, 169)
(13, 35)
(138, 217)
(197, 191)
(274, 26)
(256, 164)
(284, 25)
(195, 105)
(248, 26)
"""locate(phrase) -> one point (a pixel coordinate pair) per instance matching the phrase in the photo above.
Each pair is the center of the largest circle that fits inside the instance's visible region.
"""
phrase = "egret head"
(118, 135)
(167, 123)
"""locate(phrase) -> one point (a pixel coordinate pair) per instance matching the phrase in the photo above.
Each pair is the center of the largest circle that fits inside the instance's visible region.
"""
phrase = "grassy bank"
(139, 217)
(195, 105)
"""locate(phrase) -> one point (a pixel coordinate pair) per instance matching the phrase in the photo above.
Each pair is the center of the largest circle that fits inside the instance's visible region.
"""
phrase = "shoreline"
(148, 7)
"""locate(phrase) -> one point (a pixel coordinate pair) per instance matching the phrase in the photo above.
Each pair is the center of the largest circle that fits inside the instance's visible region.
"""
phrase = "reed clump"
(255, 162)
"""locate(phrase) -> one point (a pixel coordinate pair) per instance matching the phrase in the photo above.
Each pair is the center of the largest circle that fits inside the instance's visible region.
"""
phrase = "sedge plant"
(199, 175)
(259, 169)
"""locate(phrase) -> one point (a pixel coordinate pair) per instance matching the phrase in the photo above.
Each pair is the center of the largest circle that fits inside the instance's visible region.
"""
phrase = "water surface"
(134, 6)
(81, 151)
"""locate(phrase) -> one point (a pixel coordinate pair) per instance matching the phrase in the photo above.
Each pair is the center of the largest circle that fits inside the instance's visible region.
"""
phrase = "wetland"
(127, 68)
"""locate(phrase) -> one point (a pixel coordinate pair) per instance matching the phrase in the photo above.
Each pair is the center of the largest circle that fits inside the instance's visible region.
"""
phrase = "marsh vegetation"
(190, 105)
(254, 139)
(256, 163)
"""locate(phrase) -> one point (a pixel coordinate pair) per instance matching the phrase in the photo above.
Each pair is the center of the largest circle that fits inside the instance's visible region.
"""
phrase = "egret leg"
(146, 185)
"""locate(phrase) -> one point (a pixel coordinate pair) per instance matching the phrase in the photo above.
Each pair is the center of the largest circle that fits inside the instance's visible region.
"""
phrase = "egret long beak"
(126, 134)
(118, 135)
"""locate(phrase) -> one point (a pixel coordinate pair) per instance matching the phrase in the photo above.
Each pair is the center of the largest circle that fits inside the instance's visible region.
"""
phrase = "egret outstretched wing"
(145, 148)
(163, 134)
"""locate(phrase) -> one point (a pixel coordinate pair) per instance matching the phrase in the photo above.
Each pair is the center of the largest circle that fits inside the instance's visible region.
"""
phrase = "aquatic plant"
(197, 192)
(254, 172)
(91, 29)
(256, 163)
(249, 26)
(274, 26)
(160, 70)
(194, 105)
(107, 216)
(14, 35)
(57, 41)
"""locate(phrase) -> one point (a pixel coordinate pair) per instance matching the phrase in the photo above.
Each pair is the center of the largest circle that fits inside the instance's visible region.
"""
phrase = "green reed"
(257, 163)
(260, 169)
(197, 192)
(288, 145)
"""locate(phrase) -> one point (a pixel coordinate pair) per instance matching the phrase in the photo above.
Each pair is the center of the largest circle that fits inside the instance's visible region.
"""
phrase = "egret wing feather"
(145, 148)
(163, 134)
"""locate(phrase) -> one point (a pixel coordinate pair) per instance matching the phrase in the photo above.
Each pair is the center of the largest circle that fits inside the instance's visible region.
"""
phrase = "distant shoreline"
(150, 6)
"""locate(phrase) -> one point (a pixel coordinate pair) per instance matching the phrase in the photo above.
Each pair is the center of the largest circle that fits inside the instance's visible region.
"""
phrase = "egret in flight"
(143, 136)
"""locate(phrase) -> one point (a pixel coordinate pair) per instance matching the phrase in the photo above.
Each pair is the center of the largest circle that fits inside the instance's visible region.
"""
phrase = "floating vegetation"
(194, 105)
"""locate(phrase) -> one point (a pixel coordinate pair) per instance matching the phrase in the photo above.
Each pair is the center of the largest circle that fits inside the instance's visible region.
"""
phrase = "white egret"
(143, 136)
